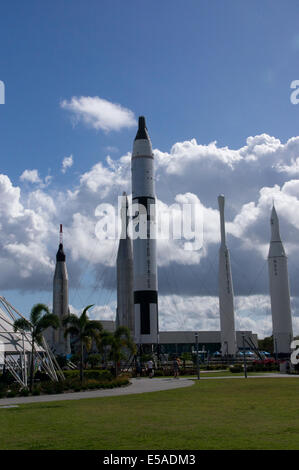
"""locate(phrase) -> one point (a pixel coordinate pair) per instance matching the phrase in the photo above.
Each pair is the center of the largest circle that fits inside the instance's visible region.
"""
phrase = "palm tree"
(39, 320)
(86, 330)
(119, 340)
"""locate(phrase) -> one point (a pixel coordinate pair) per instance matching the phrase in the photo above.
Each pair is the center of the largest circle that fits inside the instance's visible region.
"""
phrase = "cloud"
(31, 176)
(99, 113)
(67, 162)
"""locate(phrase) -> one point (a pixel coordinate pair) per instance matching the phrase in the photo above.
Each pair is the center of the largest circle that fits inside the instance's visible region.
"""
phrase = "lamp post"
(275, 347)
(197, 357)
(244, 356)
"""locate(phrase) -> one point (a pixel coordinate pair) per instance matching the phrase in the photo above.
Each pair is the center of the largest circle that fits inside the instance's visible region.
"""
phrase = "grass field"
(212, 414)
(225, 373)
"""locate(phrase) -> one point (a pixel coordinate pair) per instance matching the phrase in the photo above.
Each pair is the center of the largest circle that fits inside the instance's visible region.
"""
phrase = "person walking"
(150, 366)
(176, 365)
(138, 369)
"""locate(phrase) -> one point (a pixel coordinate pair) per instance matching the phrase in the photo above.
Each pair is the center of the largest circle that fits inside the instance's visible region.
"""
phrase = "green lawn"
(228, 373)
(212, 414)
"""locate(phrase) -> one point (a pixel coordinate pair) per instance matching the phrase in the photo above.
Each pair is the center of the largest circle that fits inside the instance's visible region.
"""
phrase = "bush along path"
(93, 380)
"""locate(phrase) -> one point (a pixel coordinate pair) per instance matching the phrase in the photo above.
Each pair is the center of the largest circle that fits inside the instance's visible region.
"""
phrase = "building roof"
(11, 341)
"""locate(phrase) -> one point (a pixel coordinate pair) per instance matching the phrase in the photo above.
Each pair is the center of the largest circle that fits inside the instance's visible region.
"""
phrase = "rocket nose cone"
(141, 122)
(274, 223)
(221, 201)
(274, 217)
(60, 256)
(142, 130)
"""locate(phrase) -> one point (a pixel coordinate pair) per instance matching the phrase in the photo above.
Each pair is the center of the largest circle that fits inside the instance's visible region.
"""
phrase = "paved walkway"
(141, 385)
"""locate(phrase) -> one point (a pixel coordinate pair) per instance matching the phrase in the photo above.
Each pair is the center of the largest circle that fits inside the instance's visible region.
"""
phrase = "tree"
(86, 330)
(94, 359)
(186, 356)
(119, 341)
(39, 320)
(266, 344)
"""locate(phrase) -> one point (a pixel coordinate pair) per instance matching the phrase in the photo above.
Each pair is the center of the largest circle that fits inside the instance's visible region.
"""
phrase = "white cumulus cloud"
(31, 176)
(67, 162)
(99, 113)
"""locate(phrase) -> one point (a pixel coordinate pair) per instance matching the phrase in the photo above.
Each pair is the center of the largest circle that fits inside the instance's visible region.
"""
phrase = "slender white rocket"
(226, 292)
(279, 291)
(60, 344)
(124, 266)
(144, 246)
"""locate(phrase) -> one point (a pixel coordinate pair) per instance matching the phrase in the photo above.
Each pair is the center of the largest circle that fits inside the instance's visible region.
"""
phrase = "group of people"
(150, 368)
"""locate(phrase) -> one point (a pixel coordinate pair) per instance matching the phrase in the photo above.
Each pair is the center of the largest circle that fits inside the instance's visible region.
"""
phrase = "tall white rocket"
(144, 246)
(124, 268)
(226, 292)
(279, 291)
(60, 344)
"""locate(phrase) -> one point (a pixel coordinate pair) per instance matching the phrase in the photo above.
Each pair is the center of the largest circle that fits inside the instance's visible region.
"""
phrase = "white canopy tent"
(16, 348)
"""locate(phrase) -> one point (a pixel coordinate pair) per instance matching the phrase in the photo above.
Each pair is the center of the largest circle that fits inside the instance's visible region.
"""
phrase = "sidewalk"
(142, 385)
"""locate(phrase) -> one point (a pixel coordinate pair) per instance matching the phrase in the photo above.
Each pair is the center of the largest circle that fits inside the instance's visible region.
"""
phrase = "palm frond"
(71, 330)
(22, 324)
(93, 325)
(49, 319)
(36, 312)
(122, 331)
(88, 342)
(87, 308)
(71, 320)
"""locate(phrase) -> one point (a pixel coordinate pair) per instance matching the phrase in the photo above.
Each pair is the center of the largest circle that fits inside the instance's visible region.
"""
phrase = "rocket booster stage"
(124, 263)
(60, 299)
(226, 293)
(144, 247)
(279, 291)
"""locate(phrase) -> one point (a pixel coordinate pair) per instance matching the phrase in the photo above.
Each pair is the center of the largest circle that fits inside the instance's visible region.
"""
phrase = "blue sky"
(210, 70)
(213, 71)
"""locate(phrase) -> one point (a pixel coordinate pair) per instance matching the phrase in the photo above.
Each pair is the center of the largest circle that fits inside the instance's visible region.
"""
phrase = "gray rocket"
(279, 291)
(124, 267)
(144, 238)
(226, 292)
(60, 344)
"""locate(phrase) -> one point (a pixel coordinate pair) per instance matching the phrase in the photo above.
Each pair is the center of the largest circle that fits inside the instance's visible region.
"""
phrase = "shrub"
(36, 391)
(11, 394)
(94, 359)
(41, 376)
(236, 368)
(102, 374)
(24, 392)
(92, 384)
(7, 378)
(52, 387)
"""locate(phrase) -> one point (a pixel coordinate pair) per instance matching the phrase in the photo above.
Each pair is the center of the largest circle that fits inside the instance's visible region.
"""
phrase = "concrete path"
(141, 385)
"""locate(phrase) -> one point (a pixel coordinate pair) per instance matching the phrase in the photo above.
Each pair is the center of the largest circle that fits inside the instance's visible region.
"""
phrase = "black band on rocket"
(144, 298)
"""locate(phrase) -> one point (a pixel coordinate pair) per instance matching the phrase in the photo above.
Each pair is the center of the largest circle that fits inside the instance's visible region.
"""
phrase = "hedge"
(89, 374)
